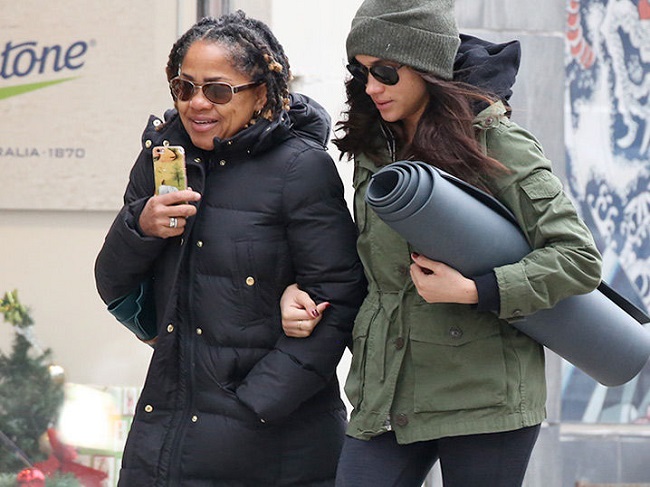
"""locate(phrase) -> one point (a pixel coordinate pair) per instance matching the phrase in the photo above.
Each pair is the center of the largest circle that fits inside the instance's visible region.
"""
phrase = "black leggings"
(486, 460)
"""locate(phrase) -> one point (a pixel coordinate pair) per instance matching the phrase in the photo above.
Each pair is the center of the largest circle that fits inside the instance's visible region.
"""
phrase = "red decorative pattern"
(579, 47)
(62, 460)
(644, 9)
(31, 477)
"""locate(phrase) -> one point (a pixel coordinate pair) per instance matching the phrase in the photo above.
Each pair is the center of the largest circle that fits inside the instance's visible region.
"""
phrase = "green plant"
(30, 398)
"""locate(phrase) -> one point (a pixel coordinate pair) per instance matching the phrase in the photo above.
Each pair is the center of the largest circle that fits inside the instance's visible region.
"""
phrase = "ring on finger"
(173, 222)
(300, 325)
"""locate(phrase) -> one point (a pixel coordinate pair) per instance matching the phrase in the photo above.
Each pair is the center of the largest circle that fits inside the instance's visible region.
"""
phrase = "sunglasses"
(383, 73)
(216, 92)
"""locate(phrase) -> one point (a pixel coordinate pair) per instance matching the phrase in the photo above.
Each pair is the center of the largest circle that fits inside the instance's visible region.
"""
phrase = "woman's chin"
(204, 143)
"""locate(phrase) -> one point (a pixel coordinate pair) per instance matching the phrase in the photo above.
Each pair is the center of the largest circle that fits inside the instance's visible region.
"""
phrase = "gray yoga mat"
(450, 221)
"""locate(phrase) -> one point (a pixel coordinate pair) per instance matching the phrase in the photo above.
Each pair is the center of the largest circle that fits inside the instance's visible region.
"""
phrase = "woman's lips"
(382, 104)
(203, 125)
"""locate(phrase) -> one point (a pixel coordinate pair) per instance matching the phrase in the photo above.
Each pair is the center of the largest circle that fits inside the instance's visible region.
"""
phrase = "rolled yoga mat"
(450, 221)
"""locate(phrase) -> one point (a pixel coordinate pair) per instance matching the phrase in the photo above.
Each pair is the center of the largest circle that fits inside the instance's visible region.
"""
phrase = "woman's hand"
(165, 215)
(438, 283)
(300, 314)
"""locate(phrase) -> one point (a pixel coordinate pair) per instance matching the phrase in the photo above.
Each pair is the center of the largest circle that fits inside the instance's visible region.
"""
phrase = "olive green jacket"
(433, 370)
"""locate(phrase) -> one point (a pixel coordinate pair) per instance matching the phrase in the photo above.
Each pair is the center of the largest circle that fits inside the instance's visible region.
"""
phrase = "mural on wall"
(607, 134)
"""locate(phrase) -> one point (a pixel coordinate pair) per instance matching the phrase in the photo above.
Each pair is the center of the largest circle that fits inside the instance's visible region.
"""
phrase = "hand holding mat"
(452, 222)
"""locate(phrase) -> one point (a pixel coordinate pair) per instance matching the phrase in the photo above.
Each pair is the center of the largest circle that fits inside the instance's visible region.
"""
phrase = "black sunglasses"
(216, 92)
(383, 73)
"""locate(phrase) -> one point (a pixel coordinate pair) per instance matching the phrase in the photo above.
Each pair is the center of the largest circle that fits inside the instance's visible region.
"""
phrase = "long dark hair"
(445, 136)
(253, 48)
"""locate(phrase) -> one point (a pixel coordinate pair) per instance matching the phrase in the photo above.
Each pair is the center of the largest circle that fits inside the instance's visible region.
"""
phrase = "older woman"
(229, 399)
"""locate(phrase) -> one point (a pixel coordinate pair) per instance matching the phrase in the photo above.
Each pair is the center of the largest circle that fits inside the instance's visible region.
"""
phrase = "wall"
(48, 257)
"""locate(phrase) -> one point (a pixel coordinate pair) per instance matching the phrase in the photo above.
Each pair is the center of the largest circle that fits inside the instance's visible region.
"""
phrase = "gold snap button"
(250, 280)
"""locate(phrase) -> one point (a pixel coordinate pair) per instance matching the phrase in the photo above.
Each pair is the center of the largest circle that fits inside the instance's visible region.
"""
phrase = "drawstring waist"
(394, 316)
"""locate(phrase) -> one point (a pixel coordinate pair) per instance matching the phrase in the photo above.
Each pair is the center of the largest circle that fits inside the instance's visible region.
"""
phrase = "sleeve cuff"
(136, 311)
(488, 293)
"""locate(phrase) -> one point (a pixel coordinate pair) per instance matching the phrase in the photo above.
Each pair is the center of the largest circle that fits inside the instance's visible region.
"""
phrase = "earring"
(256, 115)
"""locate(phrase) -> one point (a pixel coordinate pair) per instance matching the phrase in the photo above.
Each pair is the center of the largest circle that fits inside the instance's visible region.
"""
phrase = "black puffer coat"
(229, 400)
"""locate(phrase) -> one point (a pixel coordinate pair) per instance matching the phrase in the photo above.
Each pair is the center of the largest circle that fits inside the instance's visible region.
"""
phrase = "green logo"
(26, 88)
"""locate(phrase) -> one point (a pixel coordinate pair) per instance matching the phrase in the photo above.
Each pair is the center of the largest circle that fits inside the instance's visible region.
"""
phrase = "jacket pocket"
(458, 360)
(356, 375)
(541, 185)
(259, 268)
(224, 448)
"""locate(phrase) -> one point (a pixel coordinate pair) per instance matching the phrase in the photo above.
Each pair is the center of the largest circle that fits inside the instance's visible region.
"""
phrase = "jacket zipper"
(186, 367)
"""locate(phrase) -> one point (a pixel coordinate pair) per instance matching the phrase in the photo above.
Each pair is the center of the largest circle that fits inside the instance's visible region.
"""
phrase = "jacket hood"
(309, 119)
(486, 65)
(306, 118)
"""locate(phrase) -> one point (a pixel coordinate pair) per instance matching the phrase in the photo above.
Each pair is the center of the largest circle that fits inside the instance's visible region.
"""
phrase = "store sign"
(77, 85)
(24, 58)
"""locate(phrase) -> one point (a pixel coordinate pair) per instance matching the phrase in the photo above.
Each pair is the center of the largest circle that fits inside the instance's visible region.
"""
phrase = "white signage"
(78, 81)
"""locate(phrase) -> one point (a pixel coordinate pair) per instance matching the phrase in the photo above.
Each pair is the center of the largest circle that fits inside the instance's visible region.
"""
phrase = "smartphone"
(169, 168)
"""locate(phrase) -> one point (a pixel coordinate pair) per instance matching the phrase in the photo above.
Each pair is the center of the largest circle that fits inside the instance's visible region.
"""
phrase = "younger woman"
(438, 372)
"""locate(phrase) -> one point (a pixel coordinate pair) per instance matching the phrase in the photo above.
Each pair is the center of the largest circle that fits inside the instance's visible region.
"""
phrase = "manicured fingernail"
(314, 313)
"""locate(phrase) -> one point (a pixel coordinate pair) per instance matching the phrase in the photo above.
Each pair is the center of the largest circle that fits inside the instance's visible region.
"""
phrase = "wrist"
(470, 292)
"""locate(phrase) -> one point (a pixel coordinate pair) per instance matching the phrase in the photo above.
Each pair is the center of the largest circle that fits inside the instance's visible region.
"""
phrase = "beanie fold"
(419, 33)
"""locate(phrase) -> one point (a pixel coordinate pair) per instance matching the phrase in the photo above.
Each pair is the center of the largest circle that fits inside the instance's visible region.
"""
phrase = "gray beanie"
(419, 33)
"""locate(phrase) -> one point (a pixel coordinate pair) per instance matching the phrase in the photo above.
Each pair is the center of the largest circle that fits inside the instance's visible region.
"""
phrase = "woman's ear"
(260, 94)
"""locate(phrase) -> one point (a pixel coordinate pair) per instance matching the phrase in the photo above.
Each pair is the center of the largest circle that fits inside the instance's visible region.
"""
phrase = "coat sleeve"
(564, 260)
(322, 239)
(126, 256)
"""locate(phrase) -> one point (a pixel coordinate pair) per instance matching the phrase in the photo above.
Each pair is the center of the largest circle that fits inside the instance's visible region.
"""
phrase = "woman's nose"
(199, 100)
(373, 86)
